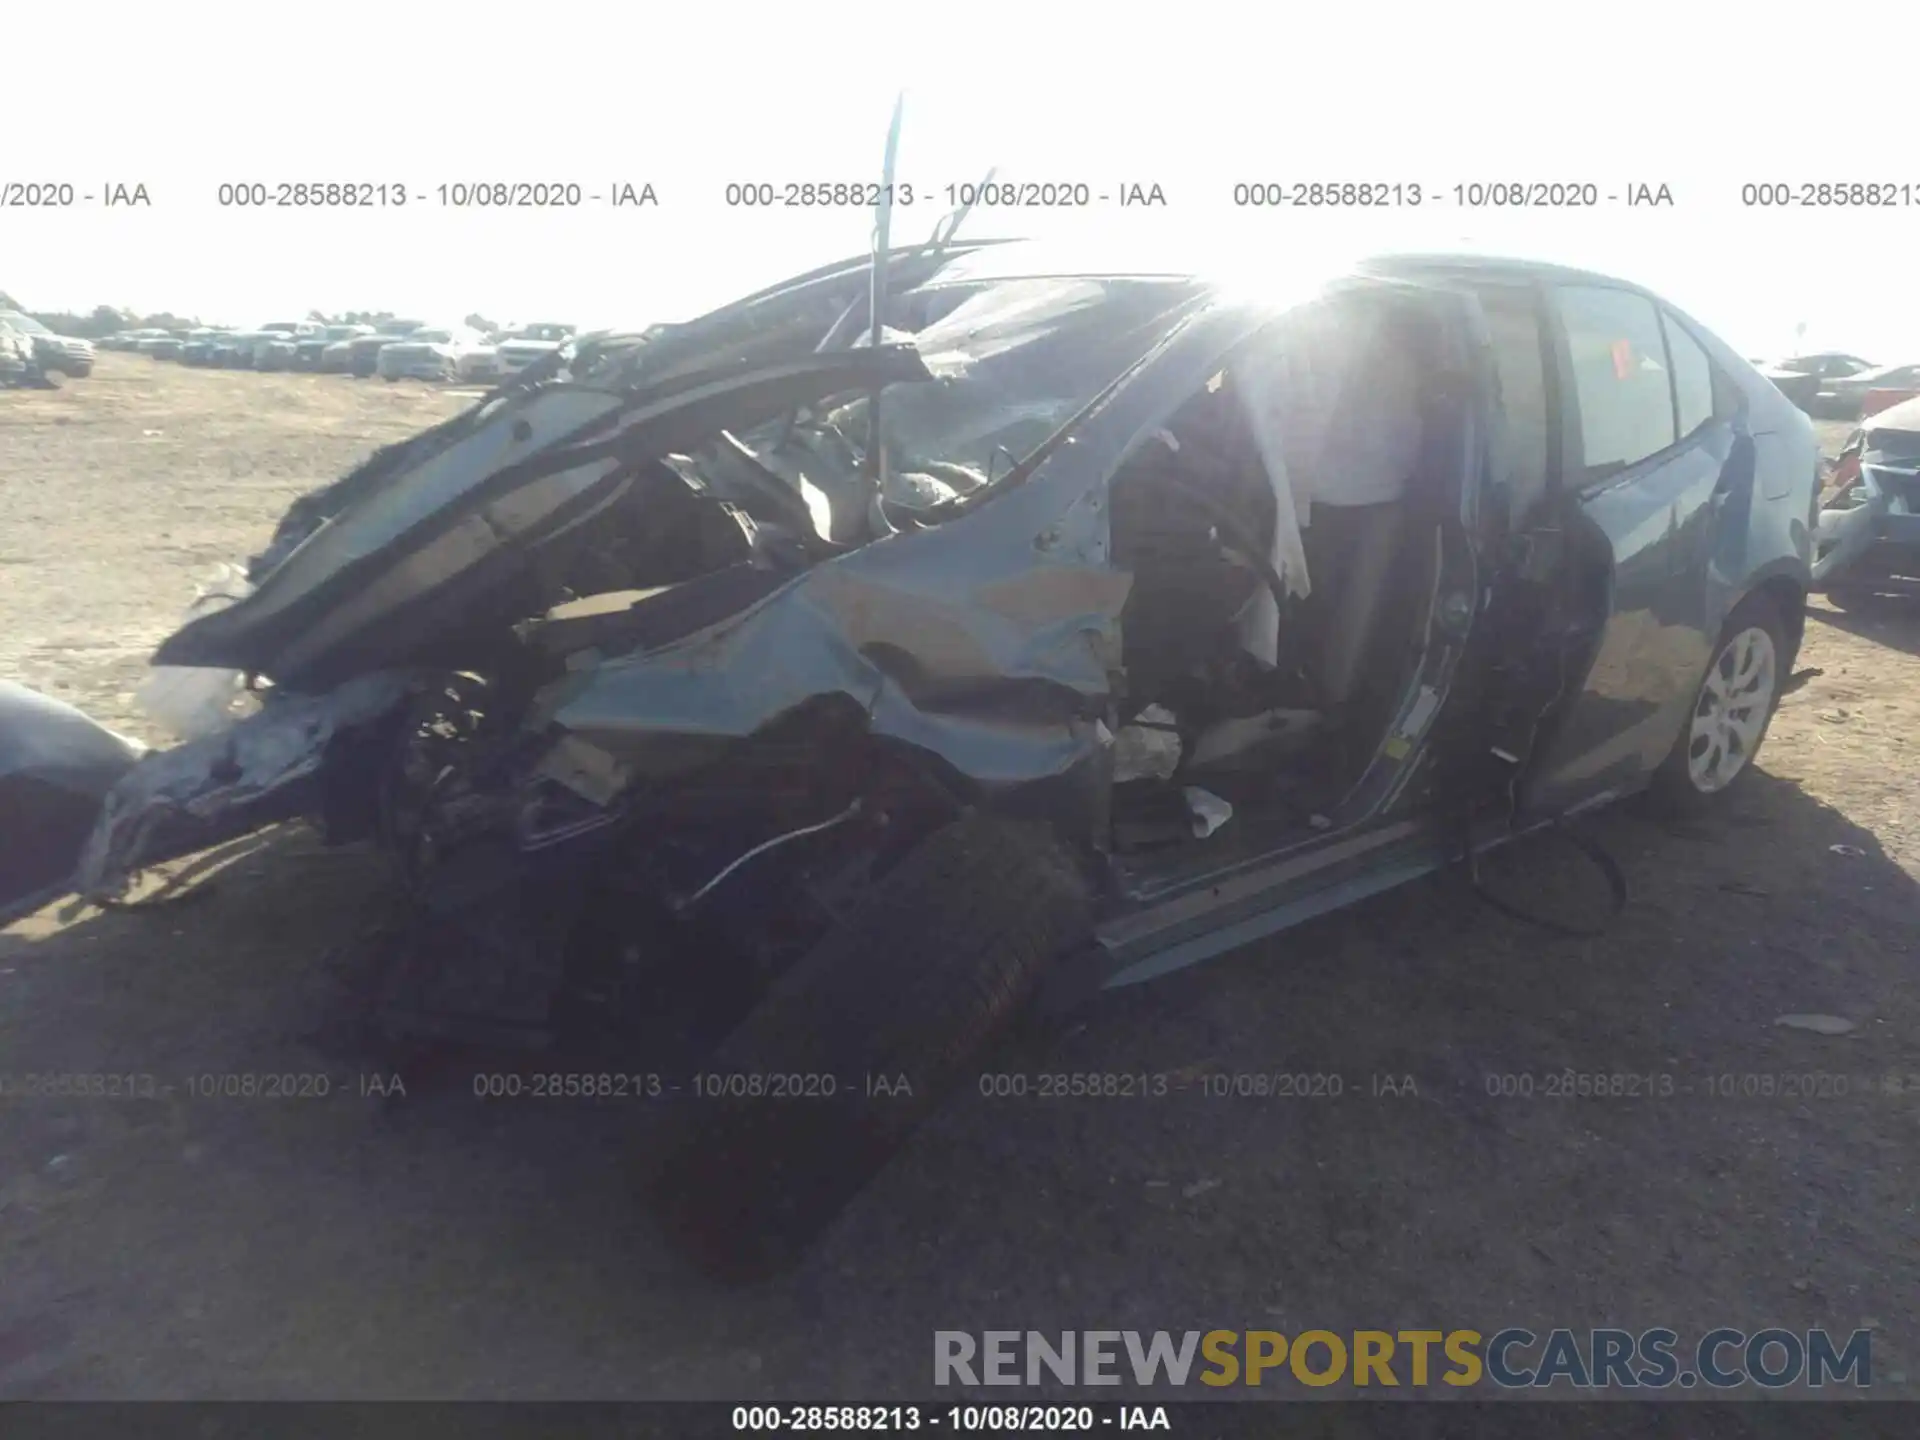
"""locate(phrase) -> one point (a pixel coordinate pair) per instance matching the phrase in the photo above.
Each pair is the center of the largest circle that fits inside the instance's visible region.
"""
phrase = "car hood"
(1904, 417)
(428, 527)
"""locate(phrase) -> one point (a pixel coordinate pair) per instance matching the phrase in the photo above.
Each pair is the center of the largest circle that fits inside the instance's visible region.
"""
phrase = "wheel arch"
(1787, 593)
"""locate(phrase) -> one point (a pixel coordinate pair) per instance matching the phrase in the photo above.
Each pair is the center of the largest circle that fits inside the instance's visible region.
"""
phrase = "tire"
(1679, 786)
(918, 982)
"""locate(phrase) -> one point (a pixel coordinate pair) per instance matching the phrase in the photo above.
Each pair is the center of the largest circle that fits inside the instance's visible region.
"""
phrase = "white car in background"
(525, 344)
(432, 353)
(64, 354)
(512, 350)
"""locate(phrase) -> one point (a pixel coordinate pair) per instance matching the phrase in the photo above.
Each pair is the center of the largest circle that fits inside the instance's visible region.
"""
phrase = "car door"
(1656, 465)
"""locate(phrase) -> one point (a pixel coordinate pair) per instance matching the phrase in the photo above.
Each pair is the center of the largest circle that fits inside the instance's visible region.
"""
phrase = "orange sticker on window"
(1622, 359)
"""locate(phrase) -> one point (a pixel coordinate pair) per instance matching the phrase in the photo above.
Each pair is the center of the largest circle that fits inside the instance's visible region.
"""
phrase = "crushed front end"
(645, 666)
(1868, 533)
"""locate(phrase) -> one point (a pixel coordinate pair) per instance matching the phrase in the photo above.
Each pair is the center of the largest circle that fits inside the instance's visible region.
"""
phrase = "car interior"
(1282, 533)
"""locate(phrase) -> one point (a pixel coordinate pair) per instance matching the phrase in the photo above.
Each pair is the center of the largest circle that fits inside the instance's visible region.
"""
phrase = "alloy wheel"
(1736, 700)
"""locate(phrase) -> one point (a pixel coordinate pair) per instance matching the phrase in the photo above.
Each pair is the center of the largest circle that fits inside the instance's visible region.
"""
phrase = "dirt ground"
(450, 1247)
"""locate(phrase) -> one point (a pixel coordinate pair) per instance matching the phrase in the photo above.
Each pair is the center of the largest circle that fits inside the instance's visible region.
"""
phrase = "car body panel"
(1869, 532)
(1688, 533)
(57, 767)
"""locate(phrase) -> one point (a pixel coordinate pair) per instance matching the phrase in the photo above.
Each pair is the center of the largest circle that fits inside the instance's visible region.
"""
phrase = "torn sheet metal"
(404, 564)
(223, 786)
(992, 655)
(990, 642)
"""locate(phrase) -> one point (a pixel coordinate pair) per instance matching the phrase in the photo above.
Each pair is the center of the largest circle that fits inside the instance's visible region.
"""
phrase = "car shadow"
(1890, 620)
(364, 1243)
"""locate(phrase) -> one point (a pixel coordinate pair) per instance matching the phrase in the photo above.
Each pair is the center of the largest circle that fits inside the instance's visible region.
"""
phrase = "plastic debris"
(1148, 749)
(1210, 812)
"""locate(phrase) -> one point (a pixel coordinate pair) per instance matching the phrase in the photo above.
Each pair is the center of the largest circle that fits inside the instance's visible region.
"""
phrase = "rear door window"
(1693, 380)
(1622, 385)
(1513, 322)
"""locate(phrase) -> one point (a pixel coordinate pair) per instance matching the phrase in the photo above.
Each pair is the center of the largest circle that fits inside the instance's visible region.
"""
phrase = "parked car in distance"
(197, 348)
(17, 365)
(167, 347)
(310, 352)
(232, 349)
(1802, 387)
(1845, 396)
(363, 353)
(57, 354)
(428, 354)
(520, 346)
(132, 340)
(1867, 541)
(1827, 364)
(153, 342)
(480, 363)
(274, 350)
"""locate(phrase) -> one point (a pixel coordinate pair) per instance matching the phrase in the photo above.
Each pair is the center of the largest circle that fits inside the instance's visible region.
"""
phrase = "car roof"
(1034, 259)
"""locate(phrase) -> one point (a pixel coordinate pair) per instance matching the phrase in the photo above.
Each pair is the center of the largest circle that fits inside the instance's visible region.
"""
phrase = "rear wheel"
(1731, 711)
(862, 1039)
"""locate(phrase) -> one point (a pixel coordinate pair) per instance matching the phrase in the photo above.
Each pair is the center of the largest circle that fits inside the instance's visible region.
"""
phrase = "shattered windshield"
(1013, 361)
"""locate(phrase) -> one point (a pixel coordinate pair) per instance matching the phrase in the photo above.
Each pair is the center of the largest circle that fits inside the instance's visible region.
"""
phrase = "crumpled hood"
(444, 521)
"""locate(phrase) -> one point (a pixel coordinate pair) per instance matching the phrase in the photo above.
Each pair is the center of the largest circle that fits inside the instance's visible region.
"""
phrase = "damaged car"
(811, 689)
(1867, 541)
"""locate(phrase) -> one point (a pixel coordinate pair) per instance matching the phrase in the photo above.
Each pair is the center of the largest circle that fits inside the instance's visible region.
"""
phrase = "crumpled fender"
(990, 642)
(988, 654)
(262, 769)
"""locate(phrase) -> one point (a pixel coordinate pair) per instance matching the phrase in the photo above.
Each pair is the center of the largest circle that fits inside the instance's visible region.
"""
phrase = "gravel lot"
(446, 1247)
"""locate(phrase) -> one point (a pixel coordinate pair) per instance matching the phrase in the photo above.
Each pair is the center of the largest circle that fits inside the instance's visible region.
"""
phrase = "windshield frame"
(1002, 324)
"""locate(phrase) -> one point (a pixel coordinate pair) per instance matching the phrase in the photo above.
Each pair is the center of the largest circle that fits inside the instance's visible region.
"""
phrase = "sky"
(1702, 98)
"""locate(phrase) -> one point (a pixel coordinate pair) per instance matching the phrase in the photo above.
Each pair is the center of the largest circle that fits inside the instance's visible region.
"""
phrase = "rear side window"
(1513, 321)
(1693, 388)
(1620, 378)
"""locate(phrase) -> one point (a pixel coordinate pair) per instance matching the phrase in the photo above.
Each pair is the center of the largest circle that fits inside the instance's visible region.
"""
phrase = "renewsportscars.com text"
(1513, 1359)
